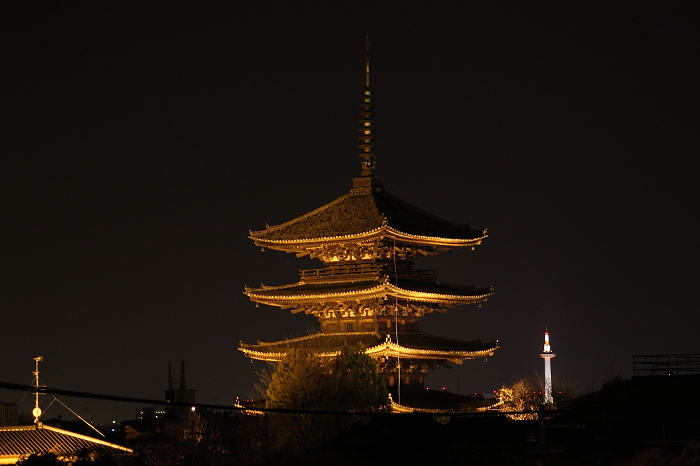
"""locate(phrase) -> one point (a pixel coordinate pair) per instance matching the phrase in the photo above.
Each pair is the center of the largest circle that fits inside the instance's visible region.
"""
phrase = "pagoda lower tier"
(408, 355)
(361, 304)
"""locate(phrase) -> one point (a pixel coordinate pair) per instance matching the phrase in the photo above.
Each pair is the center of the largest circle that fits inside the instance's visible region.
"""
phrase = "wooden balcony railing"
(360, 270)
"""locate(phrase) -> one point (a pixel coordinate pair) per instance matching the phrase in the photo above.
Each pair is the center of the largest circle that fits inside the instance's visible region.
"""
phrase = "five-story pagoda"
(368, 292)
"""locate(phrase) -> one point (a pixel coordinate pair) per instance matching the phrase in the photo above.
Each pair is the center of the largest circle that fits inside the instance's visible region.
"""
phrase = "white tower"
(547, 355)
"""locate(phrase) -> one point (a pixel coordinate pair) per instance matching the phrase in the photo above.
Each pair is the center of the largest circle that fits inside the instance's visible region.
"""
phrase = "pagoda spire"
(367, 121)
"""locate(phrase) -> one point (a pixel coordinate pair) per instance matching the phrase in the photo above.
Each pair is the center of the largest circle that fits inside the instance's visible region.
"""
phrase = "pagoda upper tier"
(367, 224)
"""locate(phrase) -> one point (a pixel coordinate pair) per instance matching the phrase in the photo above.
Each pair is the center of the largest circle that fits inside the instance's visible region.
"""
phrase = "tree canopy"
(526, 394)
(349, 382)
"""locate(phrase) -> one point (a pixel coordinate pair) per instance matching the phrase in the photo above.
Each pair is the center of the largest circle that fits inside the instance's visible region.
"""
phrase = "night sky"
(141, 143)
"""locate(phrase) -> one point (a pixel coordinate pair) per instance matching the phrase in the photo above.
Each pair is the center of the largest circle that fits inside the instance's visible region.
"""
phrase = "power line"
(237, 408)
(96, 396)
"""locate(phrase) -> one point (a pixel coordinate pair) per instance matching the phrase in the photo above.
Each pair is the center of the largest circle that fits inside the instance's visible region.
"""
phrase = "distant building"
(181, 395)
(179, 402)
(8, 414)
(20, 441)
(666, 385)
(150, 413)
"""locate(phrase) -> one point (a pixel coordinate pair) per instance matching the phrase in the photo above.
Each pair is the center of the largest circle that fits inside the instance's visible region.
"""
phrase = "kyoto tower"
(547, 355)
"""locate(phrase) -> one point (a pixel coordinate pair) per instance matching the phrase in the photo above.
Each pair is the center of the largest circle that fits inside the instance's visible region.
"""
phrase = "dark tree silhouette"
(304, 381)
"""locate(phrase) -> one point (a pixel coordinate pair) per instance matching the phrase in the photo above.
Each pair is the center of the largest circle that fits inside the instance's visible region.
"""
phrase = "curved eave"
(385, 349)
(422, 296)
(262, 356)
(384, 290)
(282, 299)
(252, 352)
(278, 356)
(393, 234)
(391, 349)
(303, 244)
(311, 337)
(380, 233)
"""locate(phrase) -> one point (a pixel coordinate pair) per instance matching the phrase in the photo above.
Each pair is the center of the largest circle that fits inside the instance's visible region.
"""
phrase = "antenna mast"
(36, 412)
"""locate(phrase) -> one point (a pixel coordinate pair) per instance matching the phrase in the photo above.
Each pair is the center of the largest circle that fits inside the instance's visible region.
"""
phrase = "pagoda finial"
(367, 121)
(367, 44)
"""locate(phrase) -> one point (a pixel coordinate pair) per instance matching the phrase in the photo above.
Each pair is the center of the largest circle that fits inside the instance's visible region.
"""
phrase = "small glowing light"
(443, 388)
(192, 408)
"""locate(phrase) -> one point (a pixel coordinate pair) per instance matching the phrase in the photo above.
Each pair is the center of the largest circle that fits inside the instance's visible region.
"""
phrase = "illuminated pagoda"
(368, 292)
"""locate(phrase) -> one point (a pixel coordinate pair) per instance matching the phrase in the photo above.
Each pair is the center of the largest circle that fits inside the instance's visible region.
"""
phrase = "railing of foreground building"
(666, 364)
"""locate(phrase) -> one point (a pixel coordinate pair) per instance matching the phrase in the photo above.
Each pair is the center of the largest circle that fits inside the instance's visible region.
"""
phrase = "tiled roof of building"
(18, 441)
(417, 290)
(428, 286)
(431, 342)
(316, 288)
(409, 345)
(320, 342)
(366, 212)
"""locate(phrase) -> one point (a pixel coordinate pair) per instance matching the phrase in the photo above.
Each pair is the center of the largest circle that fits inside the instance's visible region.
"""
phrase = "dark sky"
(141, 143)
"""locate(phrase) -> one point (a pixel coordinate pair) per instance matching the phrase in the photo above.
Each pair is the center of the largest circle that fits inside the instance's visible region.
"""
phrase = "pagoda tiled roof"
(17, 441)
(369, 288)
(366, 213)
(415, 345)
(431, 342)
(320, 342)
